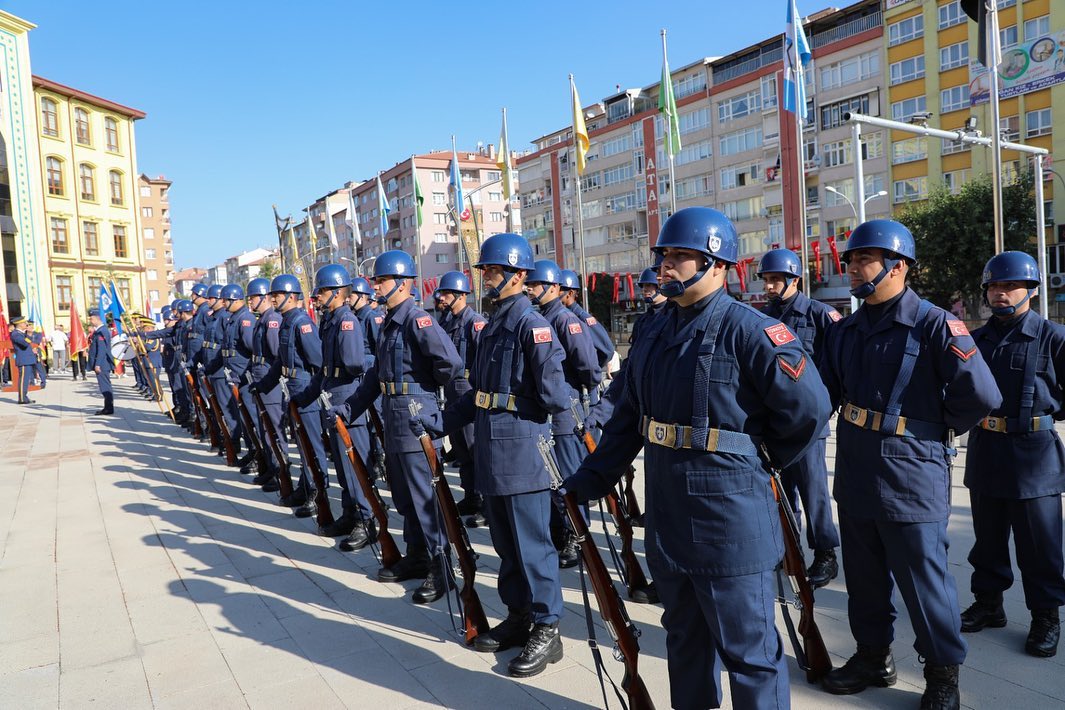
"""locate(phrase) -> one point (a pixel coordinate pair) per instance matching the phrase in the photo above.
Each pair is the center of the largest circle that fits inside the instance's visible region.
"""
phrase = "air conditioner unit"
(1057, 281)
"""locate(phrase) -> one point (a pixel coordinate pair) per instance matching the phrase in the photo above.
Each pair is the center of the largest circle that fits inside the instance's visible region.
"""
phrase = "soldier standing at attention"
(100, 360)
(25, 358)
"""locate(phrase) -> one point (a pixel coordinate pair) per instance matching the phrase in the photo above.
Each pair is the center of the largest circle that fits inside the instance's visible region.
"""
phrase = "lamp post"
(834, 191)
(358, 264)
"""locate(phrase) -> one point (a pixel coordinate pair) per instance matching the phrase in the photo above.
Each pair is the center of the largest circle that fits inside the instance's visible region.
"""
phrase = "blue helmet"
(199, 289)
(258, 287)
(167, 312)
(545, 271)
(886, 234)
(286, 283)
(332, 276)
(511, 251)
(454, 281)
(701, 229)
(780, 261)
(184, 305)
(92, 312)
(394, 263)
(648, 277)
(361, 285)
(214, 290)
(569, 280)
(232, 292)
(173, 304)
(1011, 266)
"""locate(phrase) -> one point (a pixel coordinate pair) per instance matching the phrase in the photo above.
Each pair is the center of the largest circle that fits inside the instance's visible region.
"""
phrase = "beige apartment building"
(158, 246)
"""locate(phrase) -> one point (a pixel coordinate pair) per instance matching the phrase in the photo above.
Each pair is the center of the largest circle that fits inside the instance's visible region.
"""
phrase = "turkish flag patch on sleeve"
(424, 322)
(541, 335)
(478, 326)
(793, 371)
(957, 328)
(274, 324)
(575, 329)
(590, 320)
(306, 328)
(779, 334)
(834, 315)
(245, 323)
(347, 325)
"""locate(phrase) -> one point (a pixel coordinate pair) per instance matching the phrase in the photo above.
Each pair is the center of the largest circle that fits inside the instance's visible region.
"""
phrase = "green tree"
(269, 269)
(955, 237)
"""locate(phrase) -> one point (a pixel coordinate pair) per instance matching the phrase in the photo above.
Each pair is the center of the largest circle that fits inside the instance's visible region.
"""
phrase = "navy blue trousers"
(1037, 527)
(462, 448)
(351, 495)
(412, 492)
(806, 480)
(528, 562)
(877, 556)
(228, 407)
(25, 377)
(312, 424)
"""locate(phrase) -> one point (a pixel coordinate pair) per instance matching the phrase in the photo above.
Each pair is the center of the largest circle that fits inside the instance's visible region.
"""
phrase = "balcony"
(767, 57)
(847, 29)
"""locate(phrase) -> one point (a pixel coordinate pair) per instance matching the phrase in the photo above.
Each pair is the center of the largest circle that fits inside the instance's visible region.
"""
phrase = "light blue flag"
(382, 207)
(107, 305)
(456, 183)
(796, 57)
(117, 309)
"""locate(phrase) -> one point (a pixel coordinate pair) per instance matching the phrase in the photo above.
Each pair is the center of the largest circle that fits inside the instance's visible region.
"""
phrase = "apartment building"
(158, 245)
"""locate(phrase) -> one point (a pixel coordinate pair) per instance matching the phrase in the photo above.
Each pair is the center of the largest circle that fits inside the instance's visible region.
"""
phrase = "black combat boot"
(361, 535)
(415, 565)
(298, 498)
(270, 485)
(512, 632)
(1044, 635)
(644, 595)
(471, 503)
(308, 509)
(544, 646)
(477, 520)
(941, 688)
(437, 583)
(824, 568)
(342, 525)
(985, 612)
(109, 404)
(570, 552)
(869, 666)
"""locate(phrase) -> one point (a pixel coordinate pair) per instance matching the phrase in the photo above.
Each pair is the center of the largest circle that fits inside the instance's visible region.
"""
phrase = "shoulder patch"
(541, 335)
(379, 320)
(834, 315)
(793, 371)
(245, 323)
(590, 320)
(963, 355)
(306, 328)
(478, 326)
(575, 329)
(347, 325)
(424, 322)
(273, 324)
(957, 328)
(779, 334)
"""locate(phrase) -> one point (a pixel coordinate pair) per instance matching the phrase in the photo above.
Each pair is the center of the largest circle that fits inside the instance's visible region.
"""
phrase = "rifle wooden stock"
(818, 662)
(220, 421)
(390, 553)
(251, 433)
(273, 437)
(476, 621)
(310, 460)
(378, 430)
(631, 504)
(200, 426)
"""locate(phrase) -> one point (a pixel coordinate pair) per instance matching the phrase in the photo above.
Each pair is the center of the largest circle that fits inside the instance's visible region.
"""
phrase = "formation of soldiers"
(715, 393)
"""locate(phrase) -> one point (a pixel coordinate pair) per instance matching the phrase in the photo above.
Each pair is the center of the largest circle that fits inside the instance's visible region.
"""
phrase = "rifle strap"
(800, 652)
(597, 656)
(619, 565)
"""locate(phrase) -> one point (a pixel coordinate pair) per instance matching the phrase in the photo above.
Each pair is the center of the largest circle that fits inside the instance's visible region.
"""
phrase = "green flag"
(668, 106)
(418, 198)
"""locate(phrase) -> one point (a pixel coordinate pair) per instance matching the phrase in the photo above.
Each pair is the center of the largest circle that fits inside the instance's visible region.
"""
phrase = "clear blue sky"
(256, 103)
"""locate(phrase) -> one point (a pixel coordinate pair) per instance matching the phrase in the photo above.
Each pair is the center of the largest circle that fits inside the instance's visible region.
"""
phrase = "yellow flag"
(580, 131)
(503, 160)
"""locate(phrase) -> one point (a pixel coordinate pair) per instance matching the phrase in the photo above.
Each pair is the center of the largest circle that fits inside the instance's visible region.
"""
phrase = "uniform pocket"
(724, 507)
(509, 428)
(914, 469)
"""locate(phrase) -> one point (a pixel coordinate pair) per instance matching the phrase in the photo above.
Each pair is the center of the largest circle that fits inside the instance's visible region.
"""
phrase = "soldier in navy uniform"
(236, 358)
(570, 291)
(517, 386)
(906, 375)
(185, 311)
(100, 360)
(25, 357)
(1015, 466)
(216, 322)
(264, 349)
(197, 325)
(363, 304)
(299, 359)
(153, 351)
(704, 388)
(41, 366)
(414, 358)
(463, 325)
(807, 478)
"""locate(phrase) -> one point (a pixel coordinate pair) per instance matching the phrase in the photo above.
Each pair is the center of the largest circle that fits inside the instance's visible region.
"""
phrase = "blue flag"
(796, 57)
(382, 207)
(117, 309)
(456, 183)
(107, 305)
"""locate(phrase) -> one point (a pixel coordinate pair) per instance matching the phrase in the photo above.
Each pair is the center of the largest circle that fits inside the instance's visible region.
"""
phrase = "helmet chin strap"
(535, 300)
(384, 299)
(494, 292)
(869, 287)
(651, 299)
(778, 297)
(1010, 310)
(674, 289)
(332, 295)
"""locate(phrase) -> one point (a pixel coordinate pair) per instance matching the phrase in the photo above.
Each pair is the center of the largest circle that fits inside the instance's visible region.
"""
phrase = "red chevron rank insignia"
(347, 325)
(793, 372)
(963, 354)
(779, 334)
(957, 328)
(424, 322)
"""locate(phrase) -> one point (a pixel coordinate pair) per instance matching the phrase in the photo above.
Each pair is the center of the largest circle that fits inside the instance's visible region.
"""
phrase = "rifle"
(151, 376)
(390, 554)
(310, 460)
(814, 658)
(611, 608)
(476, 621)
(634, 576)
(380, 471)
(250, 432)
(220, 421)
(284, 475)
(200, 423)
(632, 506)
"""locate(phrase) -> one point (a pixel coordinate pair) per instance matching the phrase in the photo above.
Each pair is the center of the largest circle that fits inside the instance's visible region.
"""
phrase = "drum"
(122, 348)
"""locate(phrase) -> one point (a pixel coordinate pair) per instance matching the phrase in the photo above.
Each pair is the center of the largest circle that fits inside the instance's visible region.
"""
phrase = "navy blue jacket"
(464, 330)
(100, 350)
(579, 365)
(604, 346)
(343, 356)
(371, 320)
(299, 357)
(237, 342)
(195, 331)
(25, 355)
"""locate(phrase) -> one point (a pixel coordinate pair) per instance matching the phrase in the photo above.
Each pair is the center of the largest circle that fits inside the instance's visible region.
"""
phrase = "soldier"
(236, 358)
(216, 322)
(100, 360)
(517, 385)
(25, 358)
(197, 325)
(570, 291)
(906, 375)
(807, 478)
(414, 358)
(363, 305)
(38, 341)
(463, 325)
(704, 388)
(1015, 467)
(264, 351)
(153, 357)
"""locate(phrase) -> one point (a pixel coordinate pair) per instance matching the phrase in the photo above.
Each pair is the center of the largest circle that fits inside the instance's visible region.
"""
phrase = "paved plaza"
(137, 571)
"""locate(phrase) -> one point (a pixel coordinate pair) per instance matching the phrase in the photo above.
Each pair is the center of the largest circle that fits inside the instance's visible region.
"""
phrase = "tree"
(955, 237)
(269, 269)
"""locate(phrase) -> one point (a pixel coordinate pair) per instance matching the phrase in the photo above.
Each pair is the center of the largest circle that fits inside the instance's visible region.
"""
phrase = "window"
(691, 153)
(1036, 27)
(49, 117)
(149, 233)
(490, 176)
(850, 70)
(116, 188)
(744, 209)
(902, 110)
(1010, 127)
(95, 284)
(592, 181)
(440, 238)
(1037, 123)
(54, 168)
(91, 238)
(151, 274)
(832, 114)
(905, 30)
(439, 198)
(618, 174)
(470, 175)
(738, 176)
(149, 253)
(813, 197)
(146, 211)
(1007, 36)
(442, 258)
(955, 55)
(612, 205)
(495, 216)
(951, 14)
(614, 146)
(62, 293)
(123, 291)
(693, 120)
(689, 85)
(439, 176)
(740, 141)
(955, 179)
(153, 295)
(121, 246)
(495, 196)
(910, 190)
(739, 106)
(909, 150)
(111, 136)
(81, 127)
(954, 99)
(835, 153)
(58, 227)
(146, 191)
(769, 92)
(907, 70)
(872, 145)
(87, 175)
(439, 218)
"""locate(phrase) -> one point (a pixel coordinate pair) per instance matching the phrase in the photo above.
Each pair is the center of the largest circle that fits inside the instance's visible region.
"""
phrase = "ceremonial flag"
(330, 229)
(107, 305)
(456, 181)
(117, 307)
(382, 206)
(418, 198)
(503, 161)
(796, 56)
(580, 131)
(353, 218)
(668, 105)
(77, 342)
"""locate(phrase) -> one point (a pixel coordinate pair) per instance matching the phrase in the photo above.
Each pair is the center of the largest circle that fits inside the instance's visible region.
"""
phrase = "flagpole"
(508, 177)
(580, 205)
(996, 129)
(668, 128)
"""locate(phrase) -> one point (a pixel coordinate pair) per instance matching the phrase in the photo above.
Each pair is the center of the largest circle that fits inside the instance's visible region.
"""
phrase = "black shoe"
(544, 646)
(271, 485)
(99, 413)
(824, 568)
(1044, 635)
(437, 583)
(341, 526)
(308, 510)
(985, 612)
(415, 565)
(512, 632)
(295, 500)
(941, 688)
(361, 536)
(644, 595)
(570, 553)
(869, 666)
(470, 504)
(262, 477)
(477, 520)
(246, 460)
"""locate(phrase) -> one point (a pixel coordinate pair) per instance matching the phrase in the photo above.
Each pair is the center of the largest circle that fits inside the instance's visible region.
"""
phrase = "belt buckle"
(1035, 423)
(711, 440)
(855, 415)
(994, 424)
(662, 434)
(484, 400)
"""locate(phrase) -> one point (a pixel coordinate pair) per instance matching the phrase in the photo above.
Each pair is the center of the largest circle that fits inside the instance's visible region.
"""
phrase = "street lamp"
(834, 191)
(358, 264)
